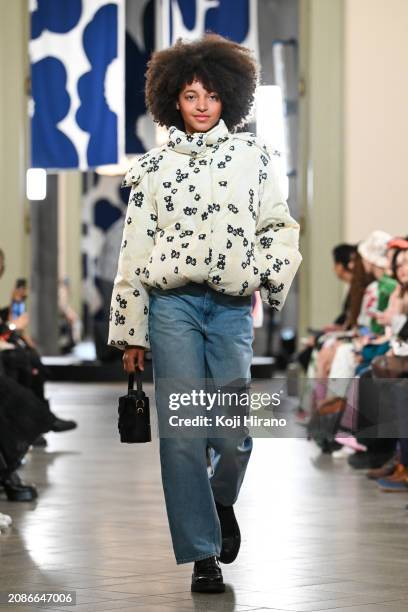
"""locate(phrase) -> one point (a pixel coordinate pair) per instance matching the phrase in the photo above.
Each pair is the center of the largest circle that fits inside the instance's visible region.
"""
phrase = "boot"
(231, 536)
(16, 490)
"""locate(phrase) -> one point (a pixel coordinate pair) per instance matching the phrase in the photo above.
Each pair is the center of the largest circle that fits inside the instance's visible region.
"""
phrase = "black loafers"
(18, 491)
(60, 425)
(40, 442)
(207, 577)
(231, 536)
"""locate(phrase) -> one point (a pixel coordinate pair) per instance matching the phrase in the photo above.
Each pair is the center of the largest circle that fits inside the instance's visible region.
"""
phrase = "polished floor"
(316, 535)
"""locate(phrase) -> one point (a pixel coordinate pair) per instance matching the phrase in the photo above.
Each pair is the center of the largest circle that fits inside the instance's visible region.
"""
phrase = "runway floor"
(316, 534)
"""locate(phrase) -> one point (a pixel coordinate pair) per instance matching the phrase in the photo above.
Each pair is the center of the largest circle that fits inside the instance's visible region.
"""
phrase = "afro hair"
(222, 66)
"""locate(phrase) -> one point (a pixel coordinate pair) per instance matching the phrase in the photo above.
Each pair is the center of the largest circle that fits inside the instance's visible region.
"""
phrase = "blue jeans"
(198, 333)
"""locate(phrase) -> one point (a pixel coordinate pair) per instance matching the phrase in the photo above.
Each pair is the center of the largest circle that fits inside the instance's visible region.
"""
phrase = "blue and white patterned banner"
(77, 73)
(190, 19)
(140, 22)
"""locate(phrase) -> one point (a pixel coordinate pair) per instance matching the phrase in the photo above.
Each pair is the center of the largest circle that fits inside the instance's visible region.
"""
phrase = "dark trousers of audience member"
(403, 447)
(24, 366)
(23, 417)
(400, 399)
(370, 412)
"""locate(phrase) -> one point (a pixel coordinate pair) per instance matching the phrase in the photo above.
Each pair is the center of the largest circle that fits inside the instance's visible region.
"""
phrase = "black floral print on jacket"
(204, 207)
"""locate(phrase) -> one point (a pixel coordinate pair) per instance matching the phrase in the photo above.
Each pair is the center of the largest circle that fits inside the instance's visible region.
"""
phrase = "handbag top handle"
(131, 382)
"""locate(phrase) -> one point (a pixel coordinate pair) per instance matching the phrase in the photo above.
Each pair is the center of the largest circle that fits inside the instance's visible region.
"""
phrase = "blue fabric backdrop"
(77, 72)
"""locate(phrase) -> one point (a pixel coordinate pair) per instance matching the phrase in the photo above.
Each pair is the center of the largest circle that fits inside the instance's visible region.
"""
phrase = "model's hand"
(133, 358)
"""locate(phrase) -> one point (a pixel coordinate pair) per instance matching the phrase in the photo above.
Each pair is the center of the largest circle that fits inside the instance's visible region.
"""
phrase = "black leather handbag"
(134, 413)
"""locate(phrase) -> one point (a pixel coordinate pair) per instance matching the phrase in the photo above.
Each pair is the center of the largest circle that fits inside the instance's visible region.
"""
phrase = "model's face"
(199, 108)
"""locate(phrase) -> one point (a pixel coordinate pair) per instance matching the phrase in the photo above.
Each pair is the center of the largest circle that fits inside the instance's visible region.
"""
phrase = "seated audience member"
(69, 322)
(379, 450)
(23, 417)
(393, 474)
(359, 283)
(373, 251)
(20, 360)
(349, 269)
(344, 256)
(338, 360)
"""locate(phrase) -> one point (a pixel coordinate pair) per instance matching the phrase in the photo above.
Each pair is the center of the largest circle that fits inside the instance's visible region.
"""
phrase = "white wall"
(376, 117)
(320, 158)
(69, 234)
(354, 135)
(14, 218)
(15, 222)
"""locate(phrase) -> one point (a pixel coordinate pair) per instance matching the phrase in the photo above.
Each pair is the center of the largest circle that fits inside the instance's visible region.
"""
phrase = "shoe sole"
(385, 490)
(227, 559)
(378, 476)
(21, 497)
(208, 588)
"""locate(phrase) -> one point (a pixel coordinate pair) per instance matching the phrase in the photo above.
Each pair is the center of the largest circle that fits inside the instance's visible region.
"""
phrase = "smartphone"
(17, 309)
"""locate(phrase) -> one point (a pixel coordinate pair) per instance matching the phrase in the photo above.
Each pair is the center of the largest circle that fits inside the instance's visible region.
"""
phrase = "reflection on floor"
(316, 535)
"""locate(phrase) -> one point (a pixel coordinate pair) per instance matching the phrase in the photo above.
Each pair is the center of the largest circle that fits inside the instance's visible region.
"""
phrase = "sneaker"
(16, 490)
(351, 442)
(393, 486)
(385, 470)
(400, 474)
(343, 453)
(60, 425)
(5, 521)
(231, 536)
(207, 577)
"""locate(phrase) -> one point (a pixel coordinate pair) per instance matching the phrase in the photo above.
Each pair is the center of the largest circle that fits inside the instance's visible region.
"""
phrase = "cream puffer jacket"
(204, 207)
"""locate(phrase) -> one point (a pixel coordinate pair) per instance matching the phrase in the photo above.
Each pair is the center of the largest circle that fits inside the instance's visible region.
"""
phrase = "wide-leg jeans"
(199, 333)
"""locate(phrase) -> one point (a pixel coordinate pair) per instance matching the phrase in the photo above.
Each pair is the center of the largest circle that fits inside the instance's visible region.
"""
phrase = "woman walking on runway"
(207, 225)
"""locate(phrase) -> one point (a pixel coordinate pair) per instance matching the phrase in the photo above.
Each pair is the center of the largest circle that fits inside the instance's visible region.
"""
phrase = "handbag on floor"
(134, 413)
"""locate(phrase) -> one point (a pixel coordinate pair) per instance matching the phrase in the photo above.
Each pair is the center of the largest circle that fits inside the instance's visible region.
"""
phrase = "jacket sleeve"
(276, 235)
(130, 299)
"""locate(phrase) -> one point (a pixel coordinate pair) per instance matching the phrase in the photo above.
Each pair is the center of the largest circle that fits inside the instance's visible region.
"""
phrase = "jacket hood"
(194, 144)
(179, 141)
(145, 163)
